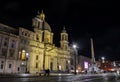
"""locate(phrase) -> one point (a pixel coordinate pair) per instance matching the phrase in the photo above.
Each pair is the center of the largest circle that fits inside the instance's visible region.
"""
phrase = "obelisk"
(92, 51)
(93, 67)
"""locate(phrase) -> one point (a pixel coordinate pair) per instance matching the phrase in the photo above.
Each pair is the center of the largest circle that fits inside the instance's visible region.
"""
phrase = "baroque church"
(23, 50)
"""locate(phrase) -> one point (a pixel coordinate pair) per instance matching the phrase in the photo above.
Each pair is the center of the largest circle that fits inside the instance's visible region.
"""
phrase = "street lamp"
(103, 59)
(75, 50)
(69, 66)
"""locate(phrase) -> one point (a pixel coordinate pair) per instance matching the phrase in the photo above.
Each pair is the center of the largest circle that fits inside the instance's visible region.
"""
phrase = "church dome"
(46, 27)
(41, 16)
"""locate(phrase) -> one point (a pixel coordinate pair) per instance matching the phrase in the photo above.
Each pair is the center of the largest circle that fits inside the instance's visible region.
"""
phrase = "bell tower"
(64, 39)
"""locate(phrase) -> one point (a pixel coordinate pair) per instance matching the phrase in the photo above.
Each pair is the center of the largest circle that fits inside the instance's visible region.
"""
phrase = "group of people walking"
(45, 72)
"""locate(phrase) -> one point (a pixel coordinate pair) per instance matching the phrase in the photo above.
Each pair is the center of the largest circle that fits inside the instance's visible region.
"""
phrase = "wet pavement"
(65, 78)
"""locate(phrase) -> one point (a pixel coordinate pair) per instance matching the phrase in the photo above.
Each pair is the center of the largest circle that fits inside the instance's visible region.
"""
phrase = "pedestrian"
(48, 72)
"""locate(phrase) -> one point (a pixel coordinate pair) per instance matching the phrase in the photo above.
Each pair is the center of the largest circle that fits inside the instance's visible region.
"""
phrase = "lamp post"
(103, 59)
(68, 66)
(75, 50)
(27, 54)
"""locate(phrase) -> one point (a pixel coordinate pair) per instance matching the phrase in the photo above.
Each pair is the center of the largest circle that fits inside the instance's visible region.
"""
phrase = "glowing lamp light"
(27, 54)
(74, 46)
(59, 67)
(102, 58)
(22, 63)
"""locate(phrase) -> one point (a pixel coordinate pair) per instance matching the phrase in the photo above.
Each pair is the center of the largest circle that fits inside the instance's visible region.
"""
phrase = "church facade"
(23, 50)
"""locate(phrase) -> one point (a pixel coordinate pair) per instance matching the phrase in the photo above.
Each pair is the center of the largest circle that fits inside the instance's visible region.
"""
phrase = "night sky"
(99, 19)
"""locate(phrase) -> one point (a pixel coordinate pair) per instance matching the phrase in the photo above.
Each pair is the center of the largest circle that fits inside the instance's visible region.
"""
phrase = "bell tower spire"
(64, 39)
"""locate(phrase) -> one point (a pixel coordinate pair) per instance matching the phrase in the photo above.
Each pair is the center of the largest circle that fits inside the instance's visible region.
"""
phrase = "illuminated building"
(24, 50)
(106, 65)
(83, 63)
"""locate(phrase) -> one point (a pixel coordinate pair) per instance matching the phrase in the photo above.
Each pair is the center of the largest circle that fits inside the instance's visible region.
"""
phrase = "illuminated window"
(86, 65)
(23, 56)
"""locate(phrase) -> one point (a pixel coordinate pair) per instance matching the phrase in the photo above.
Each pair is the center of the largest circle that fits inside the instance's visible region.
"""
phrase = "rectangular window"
(4, 51)
(18, 68)
(11, 52)
(36, 65)
(12, 43)
(2, 61)
(6, 42)
(10, 65)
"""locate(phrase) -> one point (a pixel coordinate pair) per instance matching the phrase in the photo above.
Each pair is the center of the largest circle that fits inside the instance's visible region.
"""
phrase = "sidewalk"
(32, 75)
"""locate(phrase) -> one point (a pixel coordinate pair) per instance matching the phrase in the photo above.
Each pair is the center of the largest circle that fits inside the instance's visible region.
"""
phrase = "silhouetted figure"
(85, 71)
(47, 72)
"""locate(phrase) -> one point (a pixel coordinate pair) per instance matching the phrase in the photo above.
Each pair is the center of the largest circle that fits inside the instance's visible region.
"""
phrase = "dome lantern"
(64, 30)
(42, 15)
